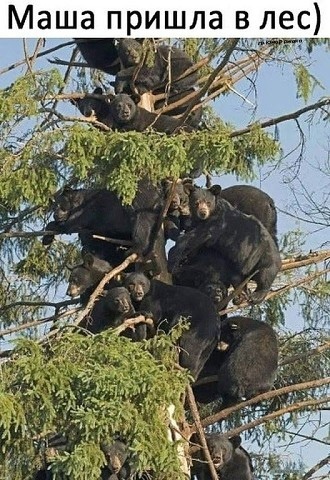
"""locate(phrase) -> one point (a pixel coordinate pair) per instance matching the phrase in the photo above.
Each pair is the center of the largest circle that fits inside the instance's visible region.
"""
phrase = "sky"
(276, 95)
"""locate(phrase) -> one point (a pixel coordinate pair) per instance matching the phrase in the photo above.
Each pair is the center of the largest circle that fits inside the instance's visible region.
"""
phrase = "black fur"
(100, 53)
(231, 461)
(101, 212)
(110, 311)
(167, 304)
(240, 239)
(127, 116)
(253, 201)
(168, 65)
(245, 366)
(86, 276)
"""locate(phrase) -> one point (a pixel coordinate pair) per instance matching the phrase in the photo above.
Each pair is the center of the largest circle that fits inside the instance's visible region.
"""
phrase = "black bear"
(127, 116)
(253, 201)
(207, 271)
(99, 107)
(240, 239)
(178, 214)
(116, 455)
(97, 211)
(101, 212)
(163, 74)
(100, 53)
(86, 276)
(167, 304)
(231, 460)
(245, 363)
(110, 311)
(120, 112)
(246, 198)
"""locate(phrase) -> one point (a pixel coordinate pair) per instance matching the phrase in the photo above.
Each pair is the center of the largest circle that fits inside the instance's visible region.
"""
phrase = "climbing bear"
(246, 198)
(85, 277)
(167, 304)
(240, 239)
(127, 116)
(110, 311)
(100, 53)
(253, 201)
(231, 460)
(169, 63)
(121, 113)
(245, 362)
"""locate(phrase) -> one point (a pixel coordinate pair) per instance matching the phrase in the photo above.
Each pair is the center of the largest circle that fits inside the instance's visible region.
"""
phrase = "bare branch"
(316, 467)
(131, 322)
(41, 54)
(263, 396)
(282, 118)
(277, 413)
(232, 44)
(314, 351)
(36, 323)
(279, 291)
(200, 431)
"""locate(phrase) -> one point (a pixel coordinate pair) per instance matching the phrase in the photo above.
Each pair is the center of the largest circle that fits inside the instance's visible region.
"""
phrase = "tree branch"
(314, 351)
(41, 54)
(200, 431)
(316, 467)
(263, 396)
(280, 119)
(278, 413)
(279, 291)
(97, 292)
(232, 44)
(39, 322)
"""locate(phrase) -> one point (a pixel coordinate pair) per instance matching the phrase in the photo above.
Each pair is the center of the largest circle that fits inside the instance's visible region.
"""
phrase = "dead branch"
(263, 396)
(35, 323)
(279, 291)
(27, 234)
(280, 119)
(304, 260)
(116, 241)
(131, 322)
(232, 44)
(316, 467)
(66, 118)
(314, 351)
(200, 431)
(56, 305)
(41, 54)
(278, 413)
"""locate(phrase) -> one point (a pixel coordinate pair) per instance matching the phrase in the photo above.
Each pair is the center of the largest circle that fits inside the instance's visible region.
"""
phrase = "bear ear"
(235, 441)
(98, 91)
(188, 188)
(88, 260)
(215, 190)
